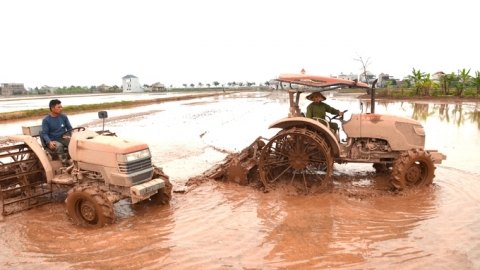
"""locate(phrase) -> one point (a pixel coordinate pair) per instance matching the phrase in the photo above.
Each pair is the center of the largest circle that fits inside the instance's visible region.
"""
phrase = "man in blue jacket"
(56, 130)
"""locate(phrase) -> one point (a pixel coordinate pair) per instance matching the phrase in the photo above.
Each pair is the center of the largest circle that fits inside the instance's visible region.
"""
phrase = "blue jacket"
(53, 128)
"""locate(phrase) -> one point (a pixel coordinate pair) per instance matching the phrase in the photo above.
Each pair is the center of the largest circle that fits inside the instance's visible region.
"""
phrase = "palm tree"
(427, 84)
(417, 77)
(476, 81)
(463, 79)
(450, 79)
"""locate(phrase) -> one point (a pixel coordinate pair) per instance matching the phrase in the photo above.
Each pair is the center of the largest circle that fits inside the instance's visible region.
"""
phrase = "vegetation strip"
(73, 109)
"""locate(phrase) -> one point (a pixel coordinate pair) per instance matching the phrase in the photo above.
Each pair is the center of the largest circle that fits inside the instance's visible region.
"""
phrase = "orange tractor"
(104, 169)
(305, 149)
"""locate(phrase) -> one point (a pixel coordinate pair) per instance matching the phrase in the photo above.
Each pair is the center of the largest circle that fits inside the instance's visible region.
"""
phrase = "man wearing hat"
(319, 109)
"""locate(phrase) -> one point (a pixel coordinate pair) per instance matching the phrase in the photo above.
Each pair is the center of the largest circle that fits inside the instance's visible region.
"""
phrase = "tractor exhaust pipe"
(372, 97)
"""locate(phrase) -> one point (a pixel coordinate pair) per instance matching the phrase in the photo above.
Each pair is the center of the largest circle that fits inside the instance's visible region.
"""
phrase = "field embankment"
(25, 114)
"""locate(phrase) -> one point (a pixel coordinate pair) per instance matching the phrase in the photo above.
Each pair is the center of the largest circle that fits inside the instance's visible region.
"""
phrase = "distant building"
(350, 77)
(383, 79)
(273, 84)
(47, 89)
(131, 84)
(437, 77)
(9, 89)
(367, 75)
(156, 87)
(103, 88)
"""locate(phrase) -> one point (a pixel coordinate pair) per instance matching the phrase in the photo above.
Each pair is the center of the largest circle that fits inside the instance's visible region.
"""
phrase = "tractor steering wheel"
(338, 115)
(79, 129)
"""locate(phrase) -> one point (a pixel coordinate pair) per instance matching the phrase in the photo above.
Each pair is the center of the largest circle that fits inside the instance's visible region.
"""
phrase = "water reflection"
(332, 231)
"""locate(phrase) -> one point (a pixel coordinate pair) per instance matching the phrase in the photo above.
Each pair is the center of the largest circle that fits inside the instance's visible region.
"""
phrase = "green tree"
(216, 83)
(185, 85)
(267, 83)
(417, 77)
(476, 81)
(450, 79)
(192, 85)
(208, 85)
(463, 80)
(427, 84)
(200, 84)
(240, 84)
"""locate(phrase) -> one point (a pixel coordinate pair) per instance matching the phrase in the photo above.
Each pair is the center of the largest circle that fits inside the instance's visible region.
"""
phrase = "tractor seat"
(48, 150)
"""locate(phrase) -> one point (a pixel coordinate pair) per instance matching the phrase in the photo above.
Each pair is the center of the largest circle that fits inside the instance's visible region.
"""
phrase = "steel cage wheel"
(298, 156)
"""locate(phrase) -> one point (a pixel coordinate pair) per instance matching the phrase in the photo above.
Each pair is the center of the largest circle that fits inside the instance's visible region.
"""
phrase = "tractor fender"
(38, 150)
(310, 124)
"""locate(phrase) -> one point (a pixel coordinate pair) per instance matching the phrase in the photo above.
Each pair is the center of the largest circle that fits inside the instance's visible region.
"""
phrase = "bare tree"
(365, 64)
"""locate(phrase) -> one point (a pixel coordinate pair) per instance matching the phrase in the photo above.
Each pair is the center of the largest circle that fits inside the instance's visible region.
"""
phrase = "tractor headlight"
(124, 158)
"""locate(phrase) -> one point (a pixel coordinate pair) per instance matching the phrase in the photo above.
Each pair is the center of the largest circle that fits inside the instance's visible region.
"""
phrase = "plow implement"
(238, 166)
(22, 179)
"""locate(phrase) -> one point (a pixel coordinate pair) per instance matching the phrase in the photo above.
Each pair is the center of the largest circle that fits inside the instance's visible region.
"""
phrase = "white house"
(367, 75)
(350, 77)
(131, 84)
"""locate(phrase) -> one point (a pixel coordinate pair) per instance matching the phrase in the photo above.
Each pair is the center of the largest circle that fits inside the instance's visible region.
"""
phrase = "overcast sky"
(63, 43)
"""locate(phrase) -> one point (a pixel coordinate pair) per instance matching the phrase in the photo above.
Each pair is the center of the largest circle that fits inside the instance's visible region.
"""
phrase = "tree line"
(458, 84)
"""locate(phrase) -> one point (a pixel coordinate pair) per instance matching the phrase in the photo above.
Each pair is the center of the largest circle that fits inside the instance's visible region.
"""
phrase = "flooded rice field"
(218, 225)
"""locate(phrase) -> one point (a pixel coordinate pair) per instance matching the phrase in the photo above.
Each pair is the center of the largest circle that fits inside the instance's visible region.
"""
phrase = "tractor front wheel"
(89, 206)
(164, 194)
(413, 168)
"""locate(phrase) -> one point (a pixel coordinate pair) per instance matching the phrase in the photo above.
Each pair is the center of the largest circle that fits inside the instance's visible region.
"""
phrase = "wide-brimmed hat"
(314, 94)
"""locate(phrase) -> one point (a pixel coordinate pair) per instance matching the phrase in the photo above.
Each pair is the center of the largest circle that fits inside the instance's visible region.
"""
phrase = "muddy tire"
(298, 157)
(164, 194)
(413, 168)
(88, 206)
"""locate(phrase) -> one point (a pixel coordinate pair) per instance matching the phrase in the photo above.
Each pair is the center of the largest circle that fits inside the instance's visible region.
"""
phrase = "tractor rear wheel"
(297, 155)
(89, 206)
(413, 168)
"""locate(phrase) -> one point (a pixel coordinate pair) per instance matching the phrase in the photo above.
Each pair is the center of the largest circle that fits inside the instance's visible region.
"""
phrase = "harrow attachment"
(22, 179)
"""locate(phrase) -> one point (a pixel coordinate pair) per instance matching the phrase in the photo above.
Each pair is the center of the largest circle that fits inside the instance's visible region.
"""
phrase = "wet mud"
(358, 222)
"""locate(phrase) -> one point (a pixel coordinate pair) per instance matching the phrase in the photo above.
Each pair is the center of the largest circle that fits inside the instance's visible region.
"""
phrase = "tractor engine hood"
(89, 147)
(401, 133)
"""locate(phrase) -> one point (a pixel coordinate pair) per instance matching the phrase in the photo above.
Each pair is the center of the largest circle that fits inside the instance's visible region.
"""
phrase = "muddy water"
(225, 226)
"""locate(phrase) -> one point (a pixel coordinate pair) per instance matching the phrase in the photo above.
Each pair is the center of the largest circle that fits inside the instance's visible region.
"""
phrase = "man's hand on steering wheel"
(68, 134)
(339, 115)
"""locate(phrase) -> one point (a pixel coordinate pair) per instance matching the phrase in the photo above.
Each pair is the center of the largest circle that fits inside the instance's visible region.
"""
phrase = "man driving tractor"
(54, 127)
(318, 109)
